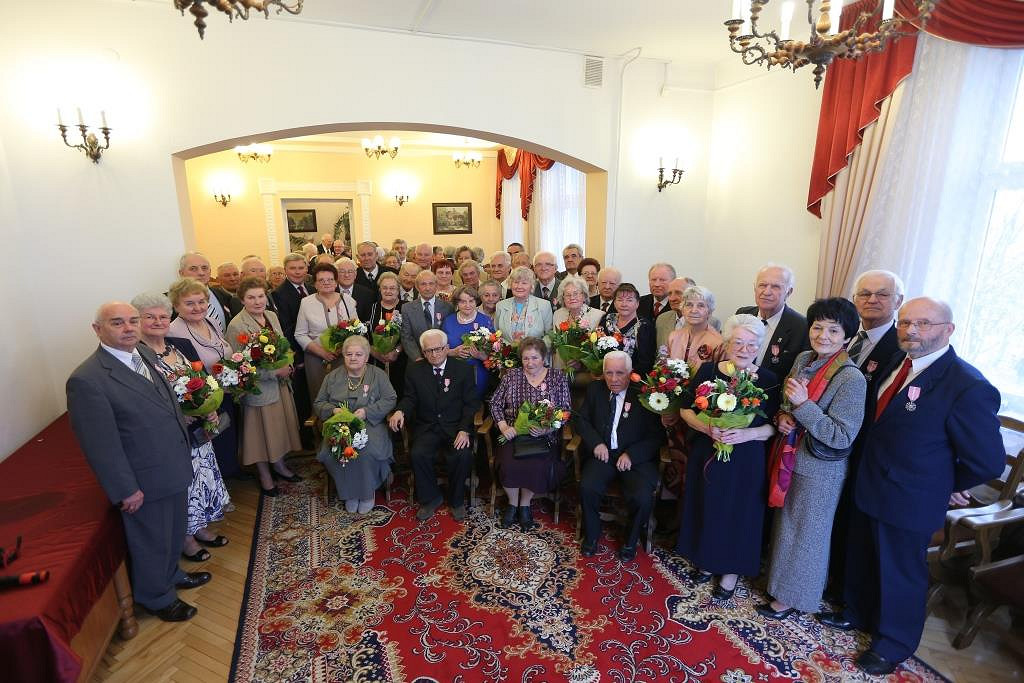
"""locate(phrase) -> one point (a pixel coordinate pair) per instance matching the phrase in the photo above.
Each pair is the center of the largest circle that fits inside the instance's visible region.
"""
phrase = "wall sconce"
(677, 174)
(375, 148)
(466, 159)
(248, 153)
(90, 143)
(222, 199)
(401, 199)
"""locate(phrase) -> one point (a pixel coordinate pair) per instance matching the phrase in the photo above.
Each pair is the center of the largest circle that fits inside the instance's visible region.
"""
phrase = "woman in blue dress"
(465, 319)
(723, 508)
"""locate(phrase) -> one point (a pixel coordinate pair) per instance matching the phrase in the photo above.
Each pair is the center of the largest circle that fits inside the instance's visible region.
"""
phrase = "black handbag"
(527, 446)
(198, 436)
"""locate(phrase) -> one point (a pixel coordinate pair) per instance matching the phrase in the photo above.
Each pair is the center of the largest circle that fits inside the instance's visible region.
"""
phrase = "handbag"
(198, 436)
(526, 446)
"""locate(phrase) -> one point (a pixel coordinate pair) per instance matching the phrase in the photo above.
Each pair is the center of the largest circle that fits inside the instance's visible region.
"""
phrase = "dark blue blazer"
(789, 340)
(912, 460)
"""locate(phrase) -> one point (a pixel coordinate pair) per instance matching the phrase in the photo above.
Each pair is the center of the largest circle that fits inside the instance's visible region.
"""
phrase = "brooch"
(912, 393)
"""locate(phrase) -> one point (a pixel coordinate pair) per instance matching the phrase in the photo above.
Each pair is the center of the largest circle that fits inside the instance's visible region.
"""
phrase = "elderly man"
(658, 277)
(326, 245)
(195, 265)
(347, 284)
(672, 317)
(571, 255)
(515, 248)
(932, 434)
(287, 297)
(130, 427)
(228, 277)
(620, 440)
(400, 247)
(521, 258)
(787, 330)
(369, 271)
(608, 280)
(546, 268)
(252, 266)
(407, 279)
(501, 268)
(423, 256)
(423, 313)
(439, 403)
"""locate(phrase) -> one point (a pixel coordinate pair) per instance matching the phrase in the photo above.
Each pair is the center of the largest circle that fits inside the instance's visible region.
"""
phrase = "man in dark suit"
(407, 280)
(196, 266)
(326, 245)
(572, 254)
(658, 277)
(934, 434)
(423, 313)
(545, 267)
(369, 271)
(787, 330)
(621, 439)
(287, 297)
(364, 296)
(608, 280)
(439, 403)
(134, 436)
(252, 267)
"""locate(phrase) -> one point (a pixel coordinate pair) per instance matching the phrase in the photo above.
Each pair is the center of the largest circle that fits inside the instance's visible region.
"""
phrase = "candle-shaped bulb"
(661, 162)
(60, 121)
(888, 8)
(787, 19)
(834, 12)
(103, 118)
(80, 121)
(736, 9)
(675, 165)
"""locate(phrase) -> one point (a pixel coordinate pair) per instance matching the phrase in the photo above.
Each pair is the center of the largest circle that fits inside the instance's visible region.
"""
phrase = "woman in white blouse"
(522, 314)
(317, 312)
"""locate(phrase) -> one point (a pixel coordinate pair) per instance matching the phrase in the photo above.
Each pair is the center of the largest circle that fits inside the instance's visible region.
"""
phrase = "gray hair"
(408, 266)
(507, 257)
(382, 253)
(151, 300)
(356, 340)
(696, 291)
(432, 332)
(611, 270)
(226, 264)
(490, 283)
(787, 272)
(185, 256)
(572, 246)
(545, 253)
(617, 355)
(662, 264)
(522, 273)
(470, 262)
(366, 243)
(897, 283)
(744, 321)
(309, 250)
(250, 259)
(388, 275)
(294, 256)
(345, 261)
(573, 281)
(478, 254)
(399, 240)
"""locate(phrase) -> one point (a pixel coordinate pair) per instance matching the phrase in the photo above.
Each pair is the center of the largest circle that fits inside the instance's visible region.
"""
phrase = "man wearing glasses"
(931, 434)
(440, 402)
(877, 294)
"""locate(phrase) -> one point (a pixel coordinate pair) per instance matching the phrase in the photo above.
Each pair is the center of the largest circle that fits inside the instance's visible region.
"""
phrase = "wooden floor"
(201, 649)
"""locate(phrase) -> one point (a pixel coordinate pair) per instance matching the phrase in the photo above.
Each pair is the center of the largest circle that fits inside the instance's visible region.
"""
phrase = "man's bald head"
(117, 325)
(924, 326)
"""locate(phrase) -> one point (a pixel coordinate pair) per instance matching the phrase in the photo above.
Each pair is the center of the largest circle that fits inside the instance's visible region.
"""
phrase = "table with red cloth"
(50, 497)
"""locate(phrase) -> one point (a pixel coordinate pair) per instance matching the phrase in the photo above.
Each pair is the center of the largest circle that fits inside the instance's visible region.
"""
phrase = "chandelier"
(375, 149)
(234, 8)
(825, 41)
(467, 159)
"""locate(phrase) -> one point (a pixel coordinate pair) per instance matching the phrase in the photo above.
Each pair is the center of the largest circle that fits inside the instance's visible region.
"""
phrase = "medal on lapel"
(447, 382)
(775, 353)
(912, 393)
(625, 409)
(366, 389)
(438, 317)
(871, 367)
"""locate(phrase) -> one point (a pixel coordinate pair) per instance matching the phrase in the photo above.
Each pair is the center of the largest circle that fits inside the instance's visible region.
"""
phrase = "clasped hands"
(358, 412)
(397, 419)
(510, 433)
(623, 464)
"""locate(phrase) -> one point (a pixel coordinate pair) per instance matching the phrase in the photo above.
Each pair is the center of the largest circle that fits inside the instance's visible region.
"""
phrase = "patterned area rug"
(335, 597)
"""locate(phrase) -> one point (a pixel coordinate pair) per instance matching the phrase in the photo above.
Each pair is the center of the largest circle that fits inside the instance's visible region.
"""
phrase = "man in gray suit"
(134, 436)
(424, 312)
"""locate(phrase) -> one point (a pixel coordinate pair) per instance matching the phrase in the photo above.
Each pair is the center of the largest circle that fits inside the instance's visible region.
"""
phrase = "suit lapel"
(124, 375)
(925, 381)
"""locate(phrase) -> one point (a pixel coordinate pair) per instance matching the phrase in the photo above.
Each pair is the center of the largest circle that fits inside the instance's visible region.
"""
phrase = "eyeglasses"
(7, 558)
(749, 346)
(923, 325)
(865, 295)
(436, 349)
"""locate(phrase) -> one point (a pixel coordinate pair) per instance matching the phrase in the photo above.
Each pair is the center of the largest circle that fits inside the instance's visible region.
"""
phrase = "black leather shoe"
(194, 580)
(526, 522)
(720, 593)
(627, 553)
(874, 664)
(176, 611)
(701, 577)
(765, 610)
(835, 620)
(293, 479)
(427, 511)
(588, 549)
(272, 492)
(508, 518)
(216, 542)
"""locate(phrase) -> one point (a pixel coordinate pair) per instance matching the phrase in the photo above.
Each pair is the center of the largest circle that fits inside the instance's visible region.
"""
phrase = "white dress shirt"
(620, 399)
(917, 366)
(125, 357)
(874, 335)
(769, 334)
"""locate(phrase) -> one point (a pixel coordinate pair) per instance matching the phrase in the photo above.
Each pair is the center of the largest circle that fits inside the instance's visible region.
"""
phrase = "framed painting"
(453, 218)
(301, 220)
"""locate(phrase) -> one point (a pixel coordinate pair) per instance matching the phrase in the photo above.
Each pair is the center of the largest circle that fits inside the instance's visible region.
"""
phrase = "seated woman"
(637, 333)
(207, 496)
(522, 314)
(388, 303)
(723, 509)
(366, 392)
(490, 295)
(270, 426)
(444, 271)
(589, 268)
(465, 319)
(824, 403)
(317, 312)
(572, 292)
(523, 477)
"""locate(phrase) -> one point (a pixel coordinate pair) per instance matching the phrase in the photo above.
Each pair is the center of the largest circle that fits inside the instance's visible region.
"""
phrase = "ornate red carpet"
(339, 597)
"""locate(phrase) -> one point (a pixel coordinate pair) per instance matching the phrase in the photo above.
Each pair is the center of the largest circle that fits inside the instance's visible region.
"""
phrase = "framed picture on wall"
(301, 220)
(453, 218)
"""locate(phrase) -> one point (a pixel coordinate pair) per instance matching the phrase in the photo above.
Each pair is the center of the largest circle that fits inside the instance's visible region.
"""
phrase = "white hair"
(573, 281)
(662, 264)
(522, 273)
(897, 283)
(432, 332)
(744, 321)
(696, 291)
(617, 355)
(151, 300)
(185, 257)
(787, 273)
(611, 270)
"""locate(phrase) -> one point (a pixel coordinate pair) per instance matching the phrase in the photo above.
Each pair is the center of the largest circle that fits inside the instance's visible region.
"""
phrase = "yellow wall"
(597, 202)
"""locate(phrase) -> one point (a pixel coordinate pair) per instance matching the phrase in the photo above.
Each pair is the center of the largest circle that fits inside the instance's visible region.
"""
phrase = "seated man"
(623, 439)
(440, 401)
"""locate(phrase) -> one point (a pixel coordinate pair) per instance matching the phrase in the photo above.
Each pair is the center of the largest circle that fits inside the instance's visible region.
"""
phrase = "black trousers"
(155, 535)
(427, 441)
(638, 486)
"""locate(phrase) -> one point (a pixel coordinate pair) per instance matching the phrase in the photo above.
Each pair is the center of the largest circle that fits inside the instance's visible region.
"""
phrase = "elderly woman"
(572, 292)
(465, 319)
(490, 295)
(365, 391)
(821, 414)
(522, 477)
(444, 271)
(723, 509)
(196, 336)
(270, 427)
(387, 307)
(276, 276)
(318, 311)
(589, 268)
(637, 333)
(522, 314)
(696, 341)
(207, 496)
(463, 253)
(392, 260)
(470, 273)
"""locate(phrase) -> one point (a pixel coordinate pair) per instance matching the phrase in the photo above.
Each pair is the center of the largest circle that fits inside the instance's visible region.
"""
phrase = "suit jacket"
(321, 249)
(414, 324)
(646, 307)
(235, 304)
(365, 281)
(911, 460)
(365, 298)
(640, 434)
(664, 326)
(879, 358)
(450, 404)
(595, 302)
(789, 340)
(539, 317)
(287, 299)
(552, 295)
(131, 430)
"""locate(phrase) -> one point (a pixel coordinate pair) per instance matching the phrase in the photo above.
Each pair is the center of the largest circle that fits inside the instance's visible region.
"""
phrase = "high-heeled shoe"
(291, 479)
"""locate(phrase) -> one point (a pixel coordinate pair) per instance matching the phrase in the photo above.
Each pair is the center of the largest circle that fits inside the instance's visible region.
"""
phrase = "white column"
(364, 189)
(268, 191)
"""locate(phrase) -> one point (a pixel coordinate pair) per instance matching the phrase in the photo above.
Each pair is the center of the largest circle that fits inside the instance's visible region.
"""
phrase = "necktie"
(302, 291)
(611, 418)
(546, 291)
(857, 346)
(216, 315)
(140, 366)
(657, 308)
(427, 314)
(437, 376)
(764, 321)
(605, 305)
(894, 388)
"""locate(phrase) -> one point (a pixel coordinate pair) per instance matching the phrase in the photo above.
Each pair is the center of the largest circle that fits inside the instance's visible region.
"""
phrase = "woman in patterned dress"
(637, 333)
(207, 495)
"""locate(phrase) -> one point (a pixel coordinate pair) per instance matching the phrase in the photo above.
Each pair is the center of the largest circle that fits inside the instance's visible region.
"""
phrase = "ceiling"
(409, 140)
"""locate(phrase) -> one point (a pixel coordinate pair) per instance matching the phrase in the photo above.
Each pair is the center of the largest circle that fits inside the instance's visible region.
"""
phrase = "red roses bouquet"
(729, 404)
(663, 390)
(267, 349)
(334, 336)
(387, 333)
(236, 375)
(198, 394)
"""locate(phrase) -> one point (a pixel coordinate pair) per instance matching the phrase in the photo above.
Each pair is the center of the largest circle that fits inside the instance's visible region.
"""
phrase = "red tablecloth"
(49, 495)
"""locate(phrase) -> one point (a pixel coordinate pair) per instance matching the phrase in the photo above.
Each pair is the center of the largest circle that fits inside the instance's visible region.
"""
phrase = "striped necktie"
(215, 314)
(140, 366)
(857, 346)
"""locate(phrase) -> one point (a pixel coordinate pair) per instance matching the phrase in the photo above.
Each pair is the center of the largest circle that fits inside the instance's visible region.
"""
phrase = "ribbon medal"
(446, 383)
(912, 393)
(625, 409)
(775, 353)
(870, 369)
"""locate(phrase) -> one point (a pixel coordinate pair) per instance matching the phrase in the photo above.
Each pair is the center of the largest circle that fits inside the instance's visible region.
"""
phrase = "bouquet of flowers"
(501, 355)
(480, 338)
(596, 346)
(567, 340)
(345, 434)
(236, 375)
(198, 393)
(729, 404)
(543, 414)
(267, 350)
(387, 333)
(663, 391)
(334, 336)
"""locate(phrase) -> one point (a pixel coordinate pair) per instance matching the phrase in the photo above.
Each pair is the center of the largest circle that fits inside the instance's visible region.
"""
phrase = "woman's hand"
(669, 419)
(731, 435)
(360, 413)
(478, 354)
(284, 372)
(460, 351)
(508, 431)
(796, 391)
(320, 352)
(785, 423)
(391, 356)
(540, 431)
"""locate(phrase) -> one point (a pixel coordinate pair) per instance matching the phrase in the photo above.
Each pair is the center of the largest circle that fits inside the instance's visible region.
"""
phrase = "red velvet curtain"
(849, 103)
(992, 23)
(526, 164)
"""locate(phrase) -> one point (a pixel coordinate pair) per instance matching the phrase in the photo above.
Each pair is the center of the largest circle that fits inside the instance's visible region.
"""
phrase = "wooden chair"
(614, 492)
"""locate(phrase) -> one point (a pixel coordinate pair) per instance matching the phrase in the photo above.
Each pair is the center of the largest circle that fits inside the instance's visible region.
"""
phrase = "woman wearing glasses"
(317, 312)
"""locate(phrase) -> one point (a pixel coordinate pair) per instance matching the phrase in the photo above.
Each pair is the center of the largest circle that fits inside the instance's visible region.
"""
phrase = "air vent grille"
(593, 71)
